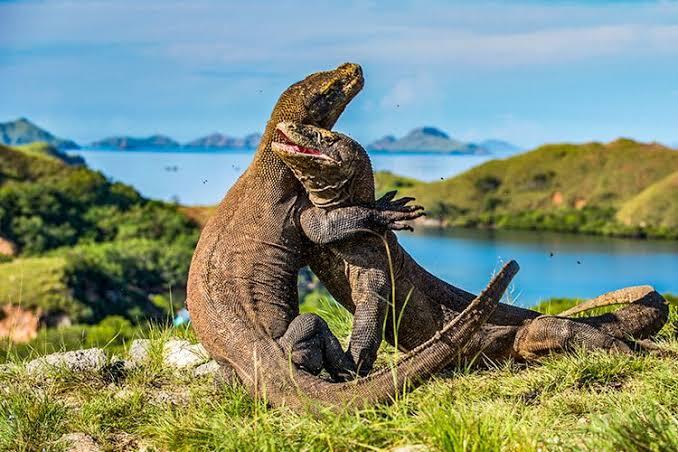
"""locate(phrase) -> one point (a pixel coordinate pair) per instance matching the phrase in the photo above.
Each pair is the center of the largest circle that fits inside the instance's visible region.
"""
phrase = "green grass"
(592, 401)
(657, 204)
(36, 283)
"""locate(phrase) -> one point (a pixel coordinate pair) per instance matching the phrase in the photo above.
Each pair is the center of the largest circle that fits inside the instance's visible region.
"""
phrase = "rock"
(221, 374)
(411, 448)
(181, 354)
(79, 442)
(139, 351)
(178, 397)
(209, 368)
(88, 360)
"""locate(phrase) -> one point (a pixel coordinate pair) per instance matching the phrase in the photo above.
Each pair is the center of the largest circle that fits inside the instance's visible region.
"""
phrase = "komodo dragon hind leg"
(547, 333)
(312, 346)
(644, 314)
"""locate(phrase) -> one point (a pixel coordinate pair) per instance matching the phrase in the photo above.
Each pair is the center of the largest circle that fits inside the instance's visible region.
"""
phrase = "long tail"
(267, 372)
(626, 295)
(645, 313)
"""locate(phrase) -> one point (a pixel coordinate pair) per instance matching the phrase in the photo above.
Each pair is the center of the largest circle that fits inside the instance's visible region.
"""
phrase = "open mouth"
(284, 142)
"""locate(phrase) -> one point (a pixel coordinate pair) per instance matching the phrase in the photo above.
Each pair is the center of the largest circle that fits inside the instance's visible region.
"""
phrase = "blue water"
(466, 258)
(203, 178)
(581, 266)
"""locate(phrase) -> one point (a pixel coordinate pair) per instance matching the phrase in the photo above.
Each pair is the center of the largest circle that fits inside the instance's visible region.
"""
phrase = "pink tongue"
(303, 150)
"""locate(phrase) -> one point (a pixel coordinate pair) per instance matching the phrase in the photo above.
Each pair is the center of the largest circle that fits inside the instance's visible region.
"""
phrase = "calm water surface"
(204, 178)
(581, 266)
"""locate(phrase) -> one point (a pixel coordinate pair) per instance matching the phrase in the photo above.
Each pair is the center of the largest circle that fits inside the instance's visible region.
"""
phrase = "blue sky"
(529, 72)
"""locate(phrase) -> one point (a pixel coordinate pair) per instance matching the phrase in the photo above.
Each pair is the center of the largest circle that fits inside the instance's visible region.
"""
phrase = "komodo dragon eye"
(329, 141)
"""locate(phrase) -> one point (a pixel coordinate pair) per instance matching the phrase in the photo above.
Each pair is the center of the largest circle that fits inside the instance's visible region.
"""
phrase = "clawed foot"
(392, 214)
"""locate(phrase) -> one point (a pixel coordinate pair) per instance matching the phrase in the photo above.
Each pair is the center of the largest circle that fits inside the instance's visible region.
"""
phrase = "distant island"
(123, 143)
(213, 141)
(22, 131)
(221, 141)
(431, 139)
(421, 139)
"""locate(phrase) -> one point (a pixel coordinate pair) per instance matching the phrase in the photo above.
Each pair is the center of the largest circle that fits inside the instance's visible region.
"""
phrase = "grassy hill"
(657, 205)
(620, 188)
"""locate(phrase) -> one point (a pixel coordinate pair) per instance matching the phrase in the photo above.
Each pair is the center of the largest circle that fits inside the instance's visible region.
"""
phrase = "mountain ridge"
(421, 139)
(432, 139)
(22, 131)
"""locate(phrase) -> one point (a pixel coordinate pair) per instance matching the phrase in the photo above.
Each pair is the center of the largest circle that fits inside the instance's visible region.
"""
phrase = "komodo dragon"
(241, 289)
(336, 172)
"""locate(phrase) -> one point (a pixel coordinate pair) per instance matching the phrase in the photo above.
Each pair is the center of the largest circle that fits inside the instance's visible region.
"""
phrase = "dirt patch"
(7, 247)
(557, 198)
(18, 324)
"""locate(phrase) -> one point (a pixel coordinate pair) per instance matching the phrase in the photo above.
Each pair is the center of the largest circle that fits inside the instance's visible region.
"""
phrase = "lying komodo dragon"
(336, 172)
(242, 281)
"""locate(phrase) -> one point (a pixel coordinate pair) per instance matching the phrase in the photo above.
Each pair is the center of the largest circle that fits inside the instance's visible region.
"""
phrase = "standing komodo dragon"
(242, 282)
(336, 172)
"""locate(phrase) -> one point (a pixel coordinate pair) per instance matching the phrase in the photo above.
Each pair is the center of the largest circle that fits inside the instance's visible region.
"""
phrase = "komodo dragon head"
(320, 98)
(334, 169)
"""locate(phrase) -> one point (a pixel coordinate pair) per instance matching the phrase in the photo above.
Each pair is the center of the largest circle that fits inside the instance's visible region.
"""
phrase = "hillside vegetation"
(87, 247)
(620, 188)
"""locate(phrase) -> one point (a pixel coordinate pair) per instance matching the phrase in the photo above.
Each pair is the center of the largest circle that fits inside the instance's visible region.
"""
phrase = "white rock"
(182, 354)
(79, 442)
(139, 351)
(411, 448)
(179, 397)
(88, 360)
(209, 368)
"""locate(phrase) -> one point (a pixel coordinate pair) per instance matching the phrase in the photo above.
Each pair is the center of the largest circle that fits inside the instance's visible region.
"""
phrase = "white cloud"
(216, 33)
(408, 91)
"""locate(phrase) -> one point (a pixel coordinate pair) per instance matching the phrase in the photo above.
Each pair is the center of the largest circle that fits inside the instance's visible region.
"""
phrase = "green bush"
(46, 204)
(121, 277)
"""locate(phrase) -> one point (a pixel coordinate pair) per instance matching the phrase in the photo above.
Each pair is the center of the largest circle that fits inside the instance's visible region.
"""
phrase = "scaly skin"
(357, 272)
(242, 282)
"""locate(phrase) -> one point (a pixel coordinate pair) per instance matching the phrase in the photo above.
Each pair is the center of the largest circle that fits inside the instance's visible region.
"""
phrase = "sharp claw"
(388, 196)
(403, 201)
(401, 227)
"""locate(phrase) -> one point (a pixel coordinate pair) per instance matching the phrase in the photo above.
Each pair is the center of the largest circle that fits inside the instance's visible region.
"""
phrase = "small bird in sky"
(551, 254)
